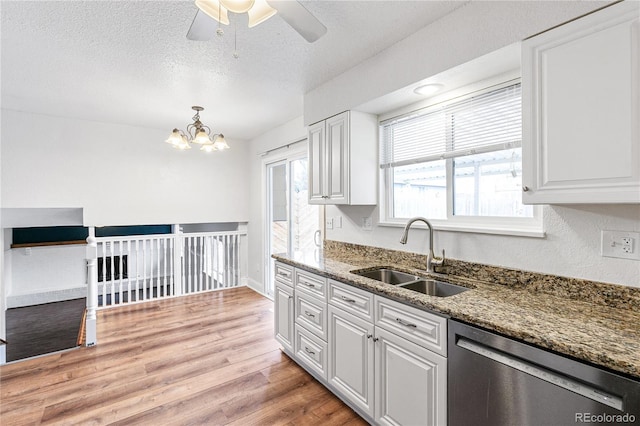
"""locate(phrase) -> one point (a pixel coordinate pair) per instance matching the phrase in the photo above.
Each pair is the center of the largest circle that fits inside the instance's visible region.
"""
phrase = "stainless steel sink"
(388, 276)
(412, 282)
(434, 288)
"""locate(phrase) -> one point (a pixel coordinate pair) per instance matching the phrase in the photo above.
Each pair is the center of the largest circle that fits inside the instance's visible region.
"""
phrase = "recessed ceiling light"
(427, 89)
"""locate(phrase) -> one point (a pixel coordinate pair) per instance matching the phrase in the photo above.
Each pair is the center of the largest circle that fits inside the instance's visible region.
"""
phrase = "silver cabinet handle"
(309, 351)
(308, 284)
(406, 324)
(525, 188)
(284, 274)
(369, 336)
(309, 314)
(346, 299)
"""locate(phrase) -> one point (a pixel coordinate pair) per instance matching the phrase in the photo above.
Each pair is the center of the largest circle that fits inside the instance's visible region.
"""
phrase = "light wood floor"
(204, 359)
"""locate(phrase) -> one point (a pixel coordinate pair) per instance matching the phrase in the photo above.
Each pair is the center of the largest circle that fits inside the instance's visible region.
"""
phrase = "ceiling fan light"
(175, 138)
(237, 6)
(214, 10)
(260, 12)
(202, 138)
(220, 143)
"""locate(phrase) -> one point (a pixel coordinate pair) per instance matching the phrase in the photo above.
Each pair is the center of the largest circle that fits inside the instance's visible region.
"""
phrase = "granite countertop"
(603, 335)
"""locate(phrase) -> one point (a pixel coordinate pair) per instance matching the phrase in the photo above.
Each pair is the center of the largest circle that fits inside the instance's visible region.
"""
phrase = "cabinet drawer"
(420, 327)
(311, 283)
(284, 273)
(311, 351)
(311, 313)
(351, 299)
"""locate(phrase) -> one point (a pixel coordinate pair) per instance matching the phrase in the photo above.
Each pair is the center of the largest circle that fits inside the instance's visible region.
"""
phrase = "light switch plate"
(621, 244)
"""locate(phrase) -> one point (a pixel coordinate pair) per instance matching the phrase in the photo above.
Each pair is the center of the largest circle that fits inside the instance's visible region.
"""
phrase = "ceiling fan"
(294, 13)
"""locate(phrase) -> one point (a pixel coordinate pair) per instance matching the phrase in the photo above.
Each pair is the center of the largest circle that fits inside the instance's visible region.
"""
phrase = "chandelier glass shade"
(258, 10)
(197, 133)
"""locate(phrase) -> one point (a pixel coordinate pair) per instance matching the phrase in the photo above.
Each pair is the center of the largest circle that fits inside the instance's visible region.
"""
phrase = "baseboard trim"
(20, 300)
(256, 286)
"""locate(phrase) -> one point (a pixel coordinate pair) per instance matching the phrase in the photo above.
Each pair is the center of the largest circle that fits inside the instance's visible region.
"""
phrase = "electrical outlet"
(329, 223)
(367, 224)
(620, 244)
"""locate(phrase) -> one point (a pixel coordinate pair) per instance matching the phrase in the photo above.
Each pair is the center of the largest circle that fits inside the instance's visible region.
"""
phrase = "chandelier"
(197, 133)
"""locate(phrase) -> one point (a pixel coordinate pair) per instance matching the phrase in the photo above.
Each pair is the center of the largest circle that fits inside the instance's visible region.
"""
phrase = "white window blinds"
(489, 121)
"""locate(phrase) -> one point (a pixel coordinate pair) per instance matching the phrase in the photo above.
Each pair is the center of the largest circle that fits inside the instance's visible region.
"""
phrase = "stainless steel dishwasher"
(494, 380)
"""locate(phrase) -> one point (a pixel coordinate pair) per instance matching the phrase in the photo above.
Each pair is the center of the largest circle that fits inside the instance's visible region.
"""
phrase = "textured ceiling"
(129, 62)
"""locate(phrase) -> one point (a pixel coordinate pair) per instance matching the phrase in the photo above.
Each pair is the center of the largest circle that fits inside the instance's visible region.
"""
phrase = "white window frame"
(527, 227)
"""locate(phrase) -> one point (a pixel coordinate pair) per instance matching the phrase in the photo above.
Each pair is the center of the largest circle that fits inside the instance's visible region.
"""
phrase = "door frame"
(293, 152)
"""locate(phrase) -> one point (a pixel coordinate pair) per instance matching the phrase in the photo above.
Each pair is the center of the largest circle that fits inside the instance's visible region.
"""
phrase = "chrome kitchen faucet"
(431, 262)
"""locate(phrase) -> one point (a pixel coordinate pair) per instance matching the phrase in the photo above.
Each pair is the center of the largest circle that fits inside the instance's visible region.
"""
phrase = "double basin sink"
(416, 283)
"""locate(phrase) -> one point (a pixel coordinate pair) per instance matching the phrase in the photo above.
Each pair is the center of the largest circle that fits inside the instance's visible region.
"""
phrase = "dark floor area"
(40, 329)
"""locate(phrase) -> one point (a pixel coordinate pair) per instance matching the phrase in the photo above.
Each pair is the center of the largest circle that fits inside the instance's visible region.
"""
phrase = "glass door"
(293, 225)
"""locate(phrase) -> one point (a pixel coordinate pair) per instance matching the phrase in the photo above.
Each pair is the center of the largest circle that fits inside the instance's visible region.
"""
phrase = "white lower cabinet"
(385, 359)
(351, 348)
(411, 383)
(283, 314)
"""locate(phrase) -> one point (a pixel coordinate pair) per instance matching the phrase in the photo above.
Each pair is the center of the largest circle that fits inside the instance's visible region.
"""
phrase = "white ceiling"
(129, 62)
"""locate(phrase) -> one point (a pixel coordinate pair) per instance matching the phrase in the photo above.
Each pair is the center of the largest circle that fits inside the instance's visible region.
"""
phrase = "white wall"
(469, 32)
(46, 274)
(119, 175)
(289, 132)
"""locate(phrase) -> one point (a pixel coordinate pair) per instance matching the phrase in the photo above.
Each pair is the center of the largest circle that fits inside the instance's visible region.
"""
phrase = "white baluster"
(189, 251)
(226, 261)
(128, 275)
(209, 265)
(201, 286)
(136, 244)
(236, 263)
(165, 257)
(158, 283)
(144, 269)
(216, 263)
(121, 273)
(112, 280)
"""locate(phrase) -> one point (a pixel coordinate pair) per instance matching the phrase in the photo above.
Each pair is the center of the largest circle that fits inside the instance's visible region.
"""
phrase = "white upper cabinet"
(580, 108)
(343, 159)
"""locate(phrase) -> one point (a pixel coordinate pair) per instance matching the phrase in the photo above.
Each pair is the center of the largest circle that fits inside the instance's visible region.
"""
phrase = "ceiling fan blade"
(202, 28)
(300, 19)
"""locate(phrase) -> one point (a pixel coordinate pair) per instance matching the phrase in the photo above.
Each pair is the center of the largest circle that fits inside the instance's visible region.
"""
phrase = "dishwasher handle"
(541, 373)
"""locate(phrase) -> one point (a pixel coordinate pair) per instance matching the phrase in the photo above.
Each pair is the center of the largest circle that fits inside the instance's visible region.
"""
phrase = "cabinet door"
(580, 110)
(283, 314)
(317, 163)
(411, 383)
(337, 170)
(351, 349)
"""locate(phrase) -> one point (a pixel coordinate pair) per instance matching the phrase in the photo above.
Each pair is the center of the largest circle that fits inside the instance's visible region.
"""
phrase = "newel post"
(92, 290)
(177, 260)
